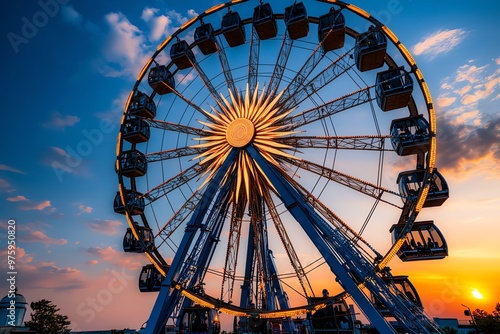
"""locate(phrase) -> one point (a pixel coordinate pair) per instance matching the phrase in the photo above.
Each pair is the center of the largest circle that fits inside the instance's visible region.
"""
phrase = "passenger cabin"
(199, 319)
(264, 21)
(145, 242)
(334, 318)
(133, 163)
(233, 29)
(296, 21)
(142, 105)
(410, 183)
(136, 130)
(204, 38)
(331, 30)
(161, 80)
(182, 56)
(410, 135)
(135, 203)
(393, 88)
(402, 287)
(150, 279)
(370, 50)
(423, 242)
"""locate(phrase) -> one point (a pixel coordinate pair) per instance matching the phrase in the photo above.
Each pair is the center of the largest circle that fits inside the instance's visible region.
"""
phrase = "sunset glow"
(68, 71)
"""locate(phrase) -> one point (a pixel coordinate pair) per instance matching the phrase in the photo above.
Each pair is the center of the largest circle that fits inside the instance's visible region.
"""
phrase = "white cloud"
(484, 89)
(125, 47)
(149, 13)
(60, 122)
(71, 15)
(470, 84)
(10, 169)
(469, 73)
(85, 209)
(439, 42)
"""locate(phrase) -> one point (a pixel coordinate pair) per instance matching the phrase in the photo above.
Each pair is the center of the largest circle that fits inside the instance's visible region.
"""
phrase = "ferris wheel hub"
(240, 132)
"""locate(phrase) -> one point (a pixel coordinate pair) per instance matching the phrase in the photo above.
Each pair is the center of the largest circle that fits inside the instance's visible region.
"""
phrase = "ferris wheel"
(272, 160)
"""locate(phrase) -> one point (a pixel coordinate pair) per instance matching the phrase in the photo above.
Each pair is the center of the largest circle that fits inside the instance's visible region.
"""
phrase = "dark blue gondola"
(423, 242)
(410, 183)
(135, 203)
(133, 163)
(136, 130)
(336, 316)
(400, 285)
(142, 105)
(150, 279)
(393, 88)
(264, 21)
(296, 21)
(182, 56)
(331, 30)
(204, 38)
(161, 79)
(145, 242)
(410, 135)
(370, 50)
(199, 319)
(233, 29)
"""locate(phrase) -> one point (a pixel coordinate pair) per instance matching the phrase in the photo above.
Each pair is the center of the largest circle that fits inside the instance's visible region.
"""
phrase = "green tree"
(45, 318)
(487, 323)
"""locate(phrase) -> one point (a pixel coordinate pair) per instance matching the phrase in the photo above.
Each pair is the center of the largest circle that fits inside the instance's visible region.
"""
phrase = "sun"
(476, 294)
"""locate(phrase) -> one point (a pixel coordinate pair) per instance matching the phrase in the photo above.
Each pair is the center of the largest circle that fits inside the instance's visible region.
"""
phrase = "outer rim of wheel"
(156, 258)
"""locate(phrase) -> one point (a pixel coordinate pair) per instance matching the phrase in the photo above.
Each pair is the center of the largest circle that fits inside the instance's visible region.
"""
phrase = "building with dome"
(12, 311)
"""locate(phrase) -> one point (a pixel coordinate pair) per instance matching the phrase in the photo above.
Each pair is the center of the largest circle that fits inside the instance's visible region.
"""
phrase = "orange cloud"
(443, 101)
(60, 122)
(106, 226)
(36, 206)
(121, 259)
(39, 236)
(18, 198)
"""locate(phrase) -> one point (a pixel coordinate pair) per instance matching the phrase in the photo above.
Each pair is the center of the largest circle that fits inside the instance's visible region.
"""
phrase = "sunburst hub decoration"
(240, 132)
(249, 119)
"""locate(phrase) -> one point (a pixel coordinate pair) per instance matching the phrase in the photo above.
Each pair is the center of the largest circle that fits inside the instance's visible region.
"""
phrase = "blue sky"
(66, 71)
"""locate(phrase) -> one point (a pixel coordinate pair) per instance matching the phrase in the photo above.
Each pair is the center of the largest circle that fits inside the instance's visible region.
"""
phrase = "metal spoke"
(226, 69)
(174, 182)
(288, 245)
(232, 251)
(365, 143)
(279, 68)
(206, 80)
(354, 183)
(173, 154)
(300, 90)
(174, 127)
(253, 61)
(328, 109)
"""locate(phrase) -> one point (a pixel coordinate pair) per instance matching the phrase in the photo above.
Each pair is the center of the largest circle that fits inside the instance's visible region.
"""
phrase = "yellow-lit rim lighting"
(292, 312)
